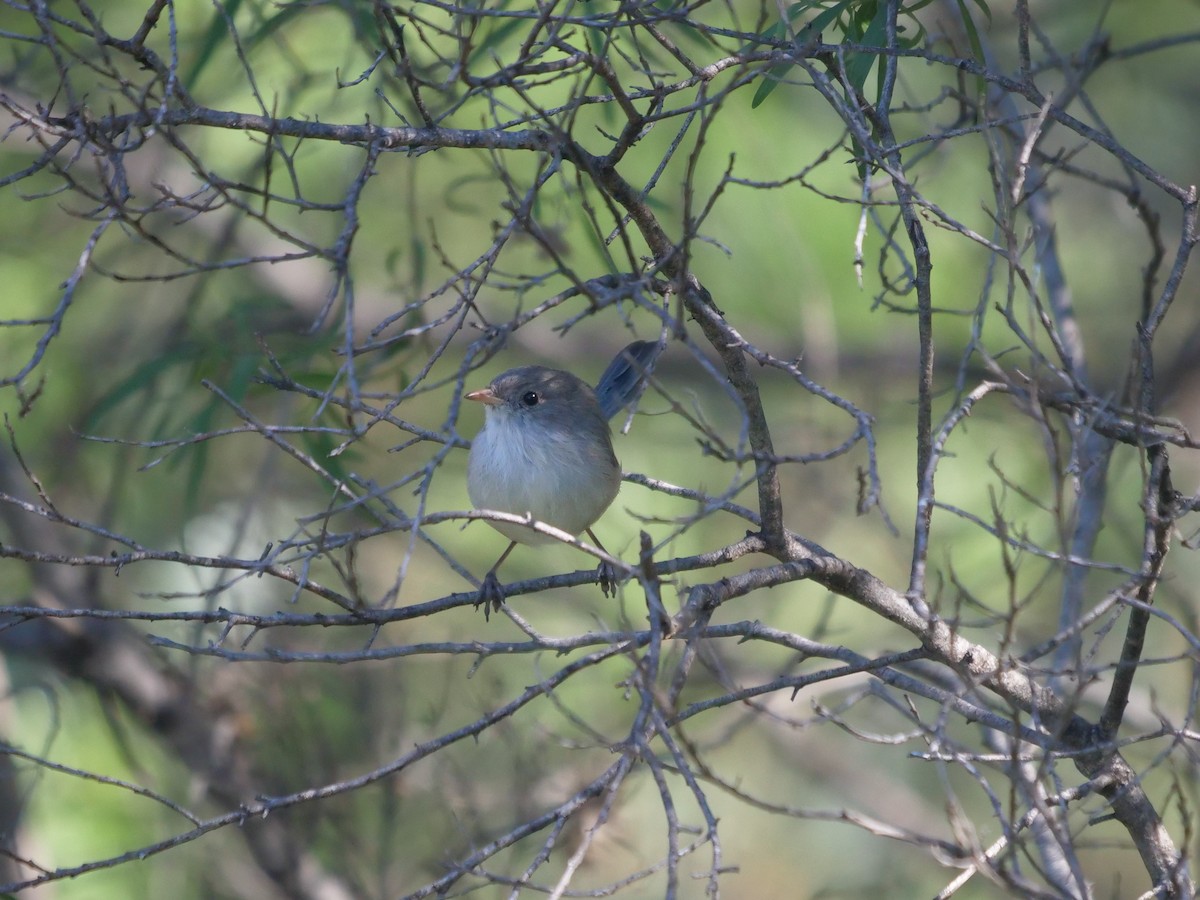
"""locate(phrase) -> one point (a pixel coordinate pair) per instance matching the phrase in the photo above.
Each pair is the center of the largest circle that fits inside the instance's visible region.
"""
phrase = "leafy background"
(137, 347)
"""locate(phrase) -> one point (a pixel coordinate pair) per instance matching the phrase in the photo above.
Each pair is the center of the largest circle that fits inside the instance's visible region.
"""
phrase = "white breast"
(519, 466)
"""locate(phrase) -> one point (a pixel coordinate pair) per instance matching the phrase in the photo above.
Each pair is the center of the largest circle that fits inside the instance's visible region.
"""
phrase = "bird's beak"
(484, 395)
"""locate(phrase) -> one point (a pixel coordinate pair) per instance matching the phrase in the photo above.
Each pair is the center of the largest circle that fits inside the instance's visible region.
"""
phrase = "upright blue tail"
(623, 378)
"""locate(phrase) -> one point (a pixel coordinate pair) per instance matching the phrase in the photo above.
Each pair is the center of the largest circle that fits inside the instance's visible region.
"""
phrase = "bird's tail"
(624, 376)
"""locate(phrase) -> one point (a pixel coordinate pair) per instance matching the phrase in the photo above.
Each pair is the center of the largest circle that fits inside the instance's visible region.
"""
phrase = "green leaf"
(141, 380)
(983, 7)
(776, 74)
(826, 18)
(915, 40)
(274, 23)
(217, 29)
(859, 65)
(974, 41)
(771, 79)
(495, 37)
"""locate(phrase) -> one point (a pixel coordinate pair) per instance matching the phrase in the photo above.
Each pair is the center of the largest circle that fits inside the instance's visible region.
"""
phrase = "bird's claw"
(491, 595)
(608, 576)
(491, 592)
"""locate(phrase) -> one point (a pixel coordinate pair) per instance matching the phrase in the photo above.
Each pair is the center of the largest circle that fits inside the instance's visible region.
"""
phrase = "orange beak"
(484, 395)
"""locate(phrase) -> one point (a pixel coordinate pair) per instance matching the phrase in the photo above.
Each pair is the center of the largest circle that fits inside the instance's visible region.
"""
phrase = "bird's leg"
(606, 573)
(491, 594)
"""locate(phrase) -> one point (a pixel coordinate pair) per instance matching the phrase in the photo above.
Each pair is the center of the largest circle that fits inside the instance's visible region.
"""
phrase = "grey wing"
(621, 380)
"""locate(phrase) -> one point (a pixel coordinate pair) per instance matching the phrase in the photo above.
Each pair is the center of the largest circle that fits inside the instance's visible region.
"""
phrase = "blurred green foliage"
(135, 350)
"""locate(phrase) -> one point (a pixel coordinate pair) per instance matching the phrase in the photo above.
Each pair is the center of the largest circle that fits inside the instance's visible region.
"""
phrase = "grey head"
(552, 398)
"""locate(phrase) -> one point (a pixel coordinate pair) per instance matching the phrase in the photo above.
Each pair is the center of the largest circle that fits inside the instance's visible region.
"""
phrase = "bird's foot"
(491, 595)
(609, 576)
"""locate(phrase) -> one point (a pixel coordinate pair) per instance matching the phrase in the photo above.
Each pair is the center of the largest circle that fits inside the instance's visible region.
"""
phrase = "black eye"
(530, 399)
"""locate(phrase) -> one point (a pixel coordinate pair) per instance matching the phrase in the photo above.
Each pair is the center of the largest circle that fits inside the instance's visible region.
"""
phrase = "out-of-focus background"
(143, 415)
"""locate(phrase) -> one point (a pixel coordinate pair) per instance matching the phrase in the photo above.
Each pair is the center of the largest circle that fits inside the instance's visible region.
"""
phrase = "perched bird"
(545, 449)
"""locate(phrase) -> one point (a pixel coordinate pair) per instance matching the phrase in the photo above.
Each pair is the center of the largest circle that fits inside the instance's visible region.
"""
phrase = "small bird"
(545, 450)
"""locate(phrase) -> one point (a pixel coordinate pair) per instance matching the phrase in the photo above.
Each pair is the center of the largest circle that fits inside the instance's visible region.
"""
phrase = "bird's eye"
(530, 399)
